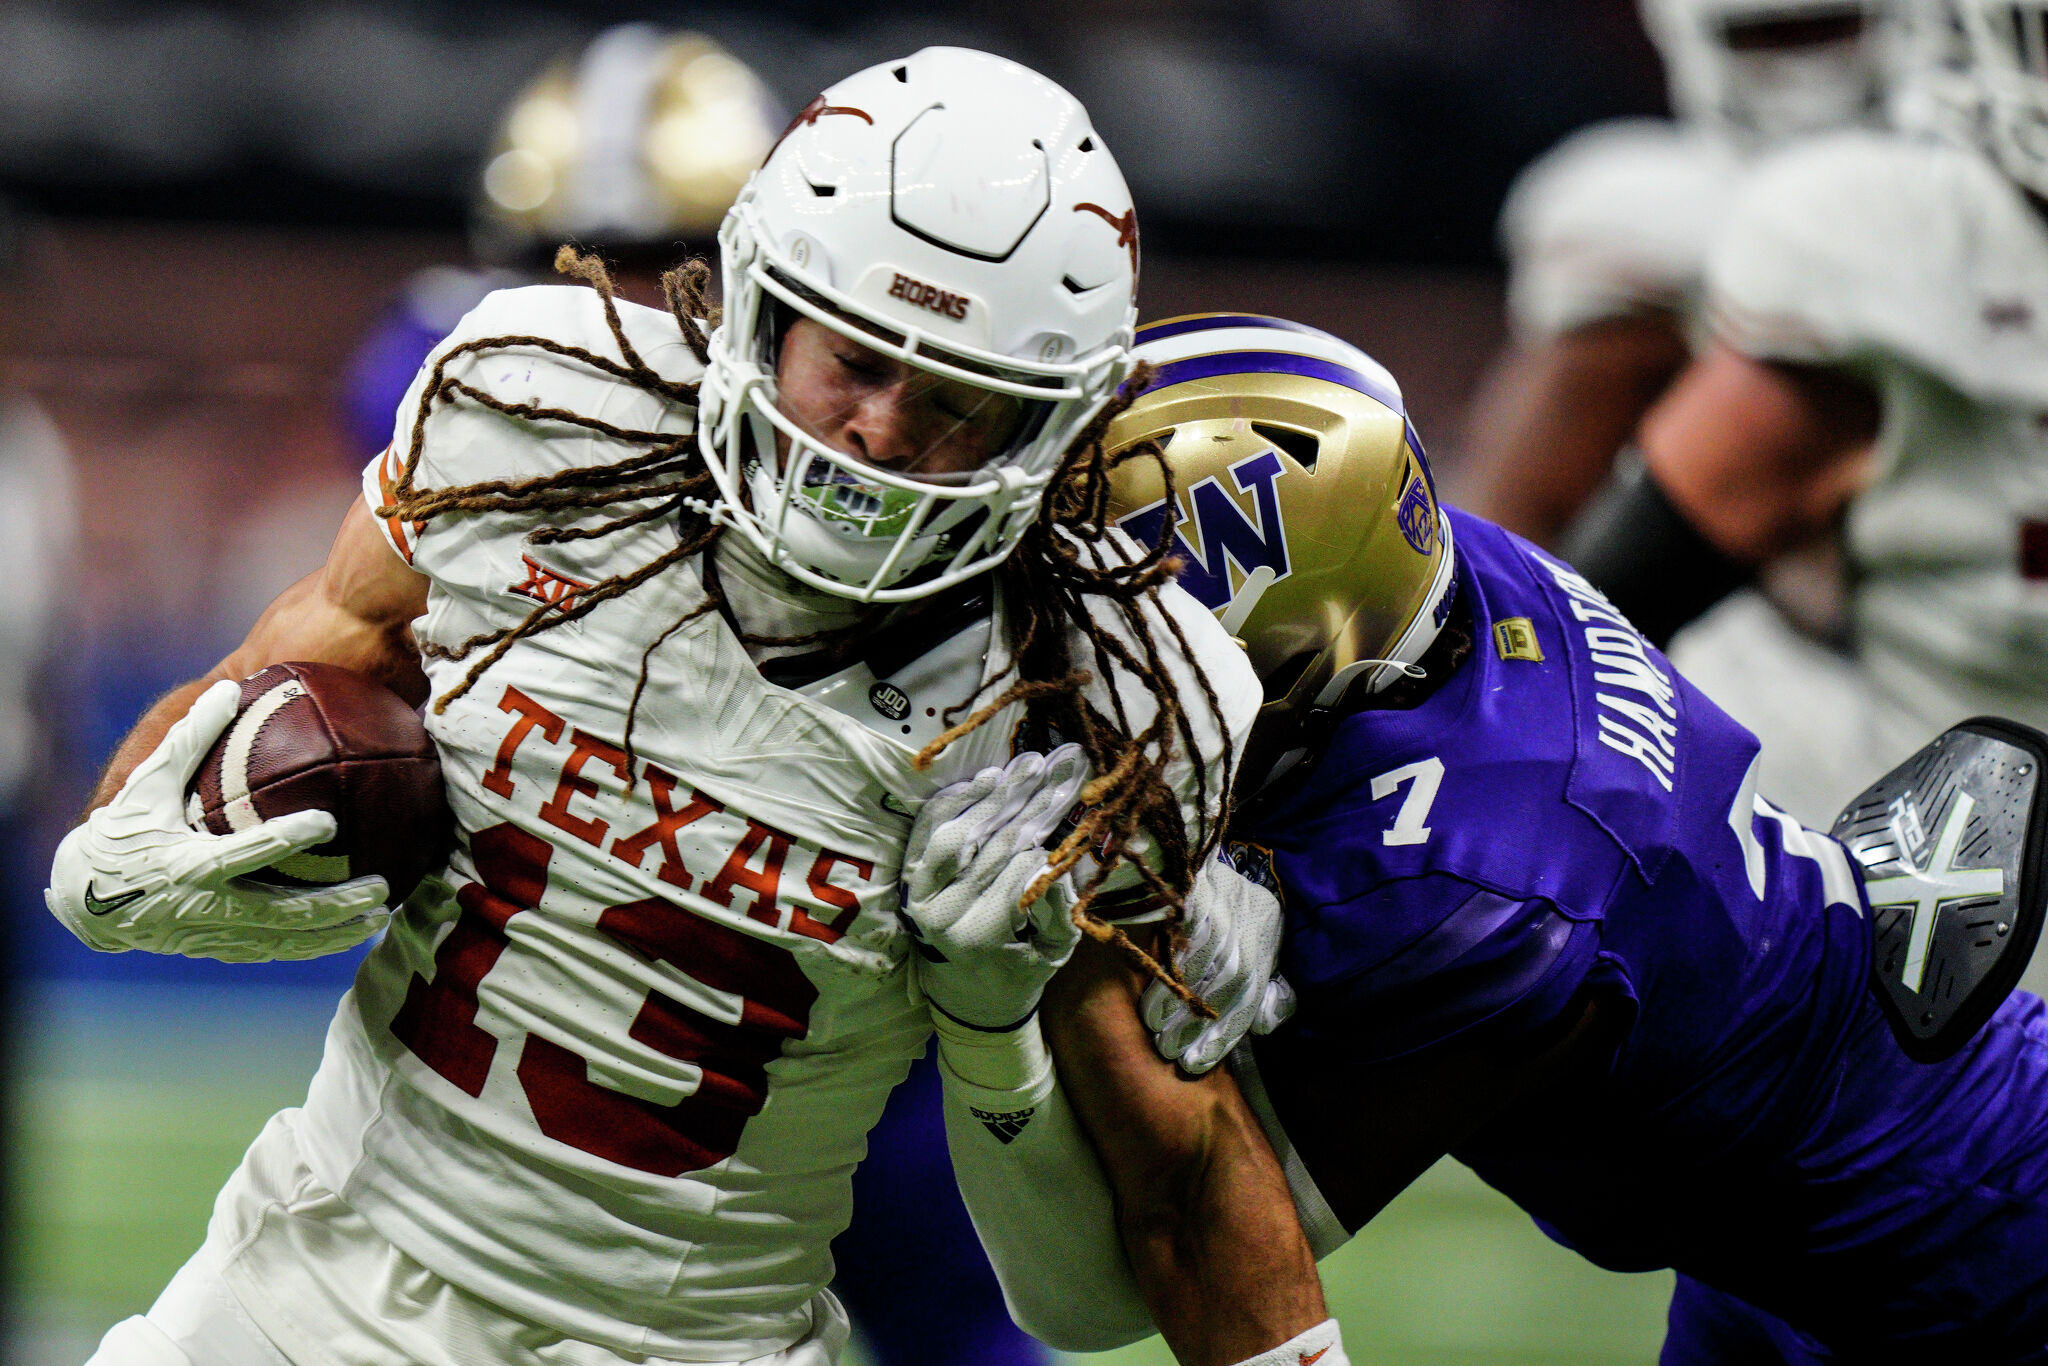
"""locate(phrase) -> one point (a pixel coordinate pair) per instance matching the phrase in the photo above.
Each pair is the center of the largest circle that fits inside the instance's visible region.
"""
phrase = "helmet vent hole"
(1073, 286)
(824, 191)
(1088, 144)
(902, 74)
(1301, 447)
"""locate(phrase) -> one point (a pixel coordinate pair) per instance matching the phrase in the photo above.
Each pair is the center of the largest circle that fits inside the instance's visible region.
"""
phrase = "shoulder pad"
(1615, 219)
(467, 442)
(1858, 246)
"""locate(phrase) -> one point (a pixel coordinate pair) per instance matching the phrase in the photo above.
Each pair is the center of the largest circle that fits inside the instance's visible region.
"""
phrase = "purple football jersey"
(1566, 814)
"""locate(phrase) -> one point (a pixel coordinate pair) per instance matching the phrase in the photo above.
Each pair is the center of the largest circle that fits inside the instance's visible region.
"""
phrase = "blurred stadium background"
(210, 206)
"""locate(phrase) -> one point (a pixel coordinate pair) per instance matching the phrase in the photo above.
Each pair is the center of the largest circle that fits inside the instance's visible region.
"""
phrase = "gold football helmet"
(1305, 516)
(640, 141)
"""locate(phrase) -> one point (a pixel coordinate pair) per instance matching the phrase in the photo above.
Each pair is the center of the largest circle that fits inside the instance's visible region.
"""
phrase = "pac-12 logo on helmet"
(1416, 514)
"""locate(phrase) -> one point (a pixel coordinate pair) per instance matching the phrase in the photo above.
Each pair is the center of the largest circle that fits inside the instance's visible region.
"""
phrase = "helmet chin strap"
(1239, 610)
(1333, 691)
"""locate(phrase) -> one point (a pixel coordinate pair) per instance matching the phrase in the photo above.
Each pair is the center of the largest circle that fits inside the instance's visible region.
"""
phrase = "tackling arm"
(1201, 1203)
(1743, 461)
(1551, 417)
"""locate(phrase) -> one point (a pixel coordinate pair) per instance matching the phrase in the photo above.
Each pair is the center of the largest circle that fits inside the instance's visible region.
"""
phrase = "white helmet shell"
(2009, 63)
(952, 210)
(1770, 96)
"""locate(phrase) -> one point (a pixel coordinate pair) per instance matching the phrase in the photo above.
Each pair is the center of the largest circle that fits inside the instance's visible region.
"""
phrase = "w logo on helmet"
(1223, 531)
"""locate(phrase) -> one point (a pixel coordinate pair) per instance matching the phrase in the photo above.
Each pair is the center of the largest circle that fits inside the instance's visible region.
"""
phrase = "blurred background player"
(635, 147)
(1538, 913)
(1607, 235)
(1877, 373)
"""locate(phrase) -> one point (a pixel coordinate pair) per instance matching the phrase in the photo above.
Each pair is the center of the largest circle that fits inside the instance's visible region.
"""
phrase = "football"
(320, 737)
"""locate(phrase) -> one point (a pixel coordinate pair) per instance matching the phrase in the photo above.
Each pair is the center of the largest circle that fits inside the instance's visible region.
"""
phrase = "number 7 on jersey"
(1424, 777)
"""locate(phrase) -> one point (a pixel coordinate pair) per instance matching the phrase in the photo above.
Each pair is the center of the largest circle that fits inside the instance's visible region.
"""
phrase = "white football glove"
(136, 876)
(1233, 947)
(973, 850)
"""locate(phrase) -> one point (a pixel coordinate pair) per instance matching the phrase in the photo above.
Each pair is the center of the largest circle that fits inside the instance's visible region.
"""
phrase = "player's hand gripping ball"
(203, 851)
(317, 737)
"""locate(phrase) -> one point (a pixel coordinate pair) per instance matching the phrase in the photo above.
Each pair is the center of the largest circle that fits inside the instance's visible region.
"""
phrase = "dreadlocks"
(1060, 574)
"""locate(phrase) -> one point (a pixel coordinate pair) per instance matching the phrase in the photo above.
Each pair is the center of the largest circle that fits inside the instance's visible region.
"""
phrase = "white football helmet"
(954, 211)
(2009, 61)
(1769, 70)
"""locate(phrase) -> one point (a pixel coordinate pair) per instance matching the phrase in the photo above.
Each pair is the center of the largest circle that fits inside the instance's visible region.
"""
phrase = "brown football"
(320, 737)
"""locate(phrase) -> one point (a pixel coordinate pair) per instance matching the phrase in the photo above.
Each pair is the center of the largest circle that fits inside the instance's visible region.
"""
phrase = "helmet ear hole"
(1302, 447)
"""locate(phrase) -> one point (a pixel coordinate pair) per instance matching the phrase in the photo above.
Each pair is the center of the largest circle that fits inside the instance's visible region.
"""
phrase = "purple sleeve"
(1418, 960)
(379, 373)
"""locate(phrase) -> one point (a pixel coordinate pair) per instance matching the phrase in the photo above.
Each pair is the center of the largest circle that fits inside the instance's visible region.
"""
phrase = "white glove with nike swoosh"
(974, 849)
(136, 876)
(1232, 951)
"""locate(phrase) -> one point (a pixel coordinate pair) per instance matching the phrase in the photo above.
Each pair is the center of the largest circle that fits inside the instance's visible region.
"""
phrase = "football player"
(1606, 236)
(1877, 367)
(721, 639)
(634, 147)
(1539, 917)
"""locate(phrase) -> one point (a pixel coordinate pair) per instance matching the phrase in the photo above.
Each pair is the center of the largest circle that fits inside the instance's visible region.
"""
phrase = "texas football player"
(1539, 916)
(711, 624)
(640, 141)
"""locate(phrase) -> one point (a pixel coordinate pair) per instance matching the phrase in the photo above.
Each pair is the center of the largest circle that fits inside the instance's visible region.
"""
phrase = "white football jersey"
(613, 1072)
(1924, 269)
(1615, 220)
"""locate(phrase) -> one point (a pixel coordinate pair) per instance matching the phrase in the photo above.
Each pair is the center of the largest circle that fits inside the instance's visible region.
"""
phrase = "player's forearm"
(1039, 1201)
(355, 611)
(1202, 1204)
(1759, 457)
(1214, 1242)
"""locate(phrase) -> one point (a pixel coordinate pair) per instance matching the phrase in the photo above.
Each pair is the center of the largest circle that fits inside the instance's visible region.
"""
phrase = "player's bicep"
(1760, 456)
(356, 611)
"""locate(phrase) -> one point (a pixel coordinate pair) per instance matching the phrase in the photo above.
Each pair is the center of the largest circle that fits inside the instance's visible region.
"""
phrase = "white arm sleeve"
(1036, 1193)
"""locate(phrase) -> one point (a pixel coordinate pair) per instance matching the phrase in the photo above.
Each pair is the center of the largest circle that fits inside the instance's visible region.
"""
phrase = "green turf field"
(134, 1104)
